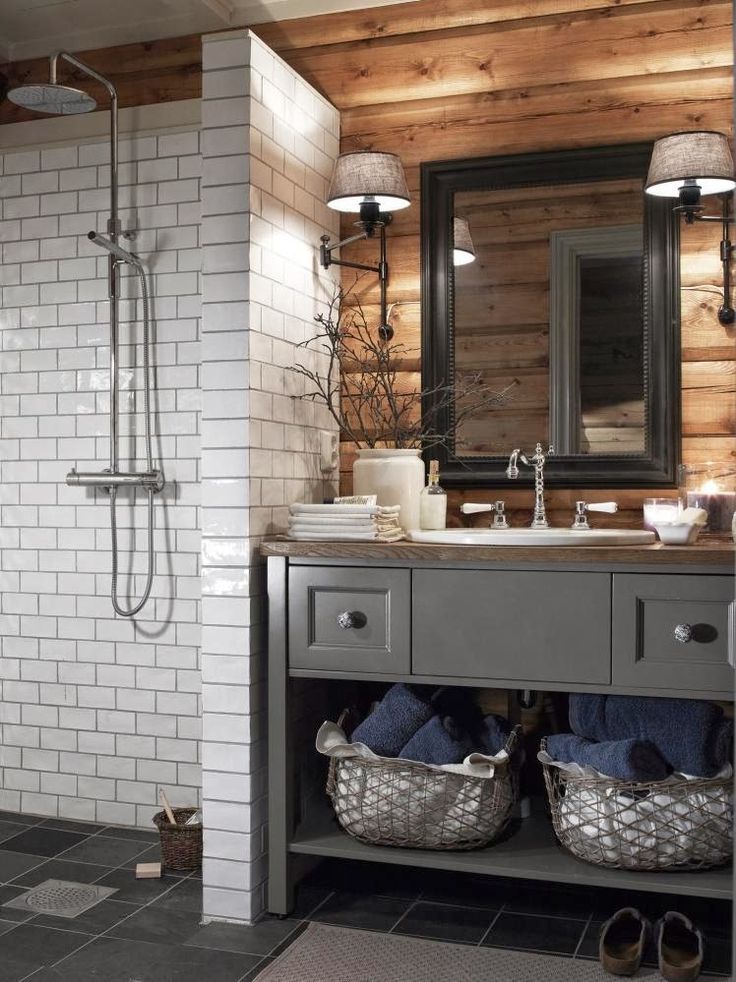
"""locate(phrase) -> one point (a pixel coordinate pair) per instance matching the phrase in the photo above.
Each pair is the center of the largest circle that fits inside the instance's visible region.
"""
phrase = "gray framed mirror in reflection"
(570, 306)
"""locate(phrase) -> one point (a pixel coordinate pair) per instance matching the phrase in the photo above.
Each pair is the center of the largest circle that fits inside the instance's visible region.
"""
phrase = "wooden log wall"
(444, 79)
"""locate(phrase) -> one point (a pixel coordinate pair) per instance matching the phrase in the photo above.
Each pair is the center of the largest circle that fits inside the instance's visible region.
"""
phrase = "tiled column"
(268, 145)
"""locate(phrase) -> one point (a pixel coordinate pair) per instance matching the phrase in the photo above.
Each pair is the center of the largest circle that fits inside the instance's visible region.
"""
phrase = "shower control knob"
(683, 633)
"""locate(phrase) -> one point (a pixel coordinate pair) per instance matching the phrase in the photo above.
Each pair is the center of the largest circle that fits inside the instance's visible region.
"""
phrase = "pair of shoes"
(679, 945)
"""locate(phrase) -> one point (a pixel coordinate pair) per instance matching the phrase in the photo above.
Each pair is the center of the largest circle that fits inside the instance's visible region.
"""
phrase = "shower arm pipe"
(113, 224)
(113, 230)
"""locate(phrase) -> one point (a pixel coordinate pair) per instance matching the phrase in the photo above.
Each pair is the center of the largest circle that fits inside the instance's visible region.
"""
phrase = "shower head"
(47, 97)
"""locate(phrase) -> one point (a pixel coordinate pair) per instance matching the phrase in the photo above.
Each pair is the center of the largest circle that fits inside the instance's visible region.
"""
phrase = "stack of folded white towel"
(357, 522)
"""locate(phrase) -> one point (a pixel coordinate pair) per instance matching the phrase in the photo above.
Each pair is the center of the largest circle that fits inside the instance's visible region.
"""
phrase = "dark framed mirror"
(569, 305)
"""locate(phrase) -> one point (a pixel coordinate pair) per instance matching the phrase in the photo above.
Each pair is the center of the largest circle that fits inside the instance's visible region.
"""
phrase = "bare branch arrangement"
(363, 390)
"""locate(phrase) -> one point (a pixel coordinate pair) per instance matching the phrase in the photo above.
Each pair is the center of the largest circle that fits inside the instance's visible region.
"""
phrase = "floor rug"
(334, 954)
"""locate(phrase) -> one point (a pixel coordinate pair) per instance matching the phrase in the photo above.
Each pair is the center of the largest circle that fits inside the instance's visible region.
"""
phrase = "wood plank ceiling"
(442, 79)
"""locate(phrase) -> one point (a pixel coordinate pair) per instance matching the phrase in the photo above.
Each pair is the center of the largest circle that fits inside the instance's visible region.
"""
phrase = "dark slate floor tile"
(28, 948)
(446, 923)
(443, 887)
(186, 895)
(308, 899)
(16, 817)
(255, 972)
(9, 829)
(6, 926)
(12, 864)
(146, 854)
(522, 898)
(39, 841)
(287, 942)
(262, 938)
(135, 835)
(61, 869)
(361, 911)
(104, 852)
(84, 828)
(94, 921)
(158, 924)
(588, 947)
(557, 935)
(717, 955)
(120, 960)
(135, 891)
(10, 913)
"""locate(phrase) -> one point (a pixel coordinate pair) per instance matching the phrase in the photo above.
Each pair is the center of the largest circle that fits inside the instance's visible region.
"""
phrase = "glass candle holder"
(660, 510)
(713, 489)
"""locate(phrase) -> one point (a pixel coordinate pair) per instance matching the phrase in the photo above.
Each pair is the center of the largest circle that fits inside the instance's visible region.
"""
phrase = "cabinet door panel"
(536, 627)
(347, 619)
(650, 614)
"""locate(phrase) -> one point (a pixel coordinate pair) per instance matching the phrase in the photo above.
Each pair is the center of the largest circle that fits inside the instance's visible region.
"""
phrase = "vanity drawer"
(534, 627)
(647, 651)
(347, 619)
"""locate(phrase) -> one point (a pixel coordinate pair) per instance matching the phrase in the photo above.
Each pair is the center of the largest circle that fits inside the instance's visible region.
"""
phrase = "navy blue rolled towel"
(625, 760)
(439, 741)
(393, 722)
(693, 736)
(494, 732)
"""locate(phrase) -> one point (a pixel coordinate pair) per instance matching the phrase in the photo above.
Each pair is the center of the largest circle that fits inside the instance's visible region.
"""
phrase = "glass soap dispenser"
(433, 500)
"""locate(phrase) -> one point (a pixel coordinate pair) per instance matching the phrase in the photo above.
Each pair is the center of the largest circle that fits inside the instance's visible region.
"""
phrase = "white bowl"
(677, 533)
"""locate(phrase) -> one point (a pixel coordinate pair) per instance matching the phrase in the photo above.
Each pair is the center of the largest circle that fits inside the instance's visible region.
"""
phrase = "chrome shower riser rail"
(153, 480)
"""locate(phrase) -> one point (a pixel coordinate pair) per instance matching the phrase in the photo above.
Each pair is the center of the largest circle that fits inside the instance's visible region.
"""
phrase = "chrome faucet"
(539, 520)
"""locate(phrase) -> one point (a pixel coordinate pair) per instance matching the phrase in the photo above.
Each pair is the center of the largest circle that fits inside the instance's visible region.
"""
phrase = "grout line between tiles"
(411, 907)
(585, 931)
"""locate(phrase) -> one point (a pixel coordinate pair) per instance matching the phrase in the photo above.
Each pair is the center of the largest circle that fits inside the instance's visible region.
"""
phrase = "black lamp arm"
(385, 330)
(726, 312)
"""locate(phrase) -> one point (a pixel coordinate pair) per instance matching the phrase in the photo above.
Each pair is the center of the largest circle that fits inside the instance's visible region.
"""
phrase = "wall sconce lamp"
(372, 185)
(463, 250)
(687, 166)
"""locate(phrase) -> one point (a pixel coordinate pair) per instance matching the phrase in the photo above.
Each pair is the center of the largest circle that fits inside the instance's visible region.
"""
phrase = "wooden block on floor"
(148, 871)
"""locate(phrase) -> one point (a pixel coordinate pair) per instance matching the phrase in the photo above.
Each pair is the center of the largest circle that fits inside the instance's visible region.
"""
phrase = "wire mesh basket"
(391, 802)
(672, 824)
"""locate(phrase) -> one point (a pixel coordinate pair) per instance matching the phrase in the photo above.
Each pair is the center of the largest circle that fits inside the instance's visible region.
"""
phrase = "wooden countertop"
(708, 552)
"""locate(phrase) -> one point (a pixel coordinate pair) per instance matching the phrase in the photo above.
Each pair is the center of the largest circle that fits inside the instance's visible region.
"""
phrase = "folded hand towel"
(439, 741)
(302, 509)
(692, 736)
(624, 760)
(393, 722)
(493, 734)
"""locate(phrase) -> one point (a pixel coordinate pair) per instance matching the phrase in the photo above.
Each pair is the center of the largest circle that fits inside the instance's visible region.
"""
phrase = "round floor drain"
(51, 900)
(61, 898)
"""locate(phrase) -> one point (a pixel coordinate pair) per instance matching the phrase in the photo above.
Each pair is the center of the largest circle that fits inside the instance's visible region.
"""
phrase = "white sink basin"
(533, 537)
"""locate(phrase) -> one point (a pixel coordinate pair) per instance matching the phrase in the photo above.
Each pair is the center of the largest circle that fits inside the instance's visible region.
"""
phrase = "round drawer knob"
(346, 620)
(683, 633)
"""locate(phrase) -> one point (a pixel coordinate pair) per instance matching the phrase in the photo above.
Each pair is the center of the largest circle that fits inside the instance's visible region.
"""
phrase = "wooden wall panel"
(443, 79)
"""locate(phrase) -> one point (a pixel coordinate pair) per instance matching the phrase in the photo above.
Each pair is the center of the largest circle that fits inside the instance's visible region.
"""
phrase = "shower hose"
(149, 462)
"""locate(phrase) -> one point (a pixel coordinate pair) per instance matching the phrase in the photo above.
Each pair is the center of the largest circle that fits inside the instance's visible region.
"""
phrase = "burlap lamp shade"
(367, 175)
(703, 157)
(463, 250)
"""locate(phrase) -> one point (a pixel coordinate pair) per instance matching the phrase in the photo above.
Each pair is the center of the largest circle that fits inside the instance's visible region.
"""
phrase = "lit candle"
(660, 510)
(720, 505)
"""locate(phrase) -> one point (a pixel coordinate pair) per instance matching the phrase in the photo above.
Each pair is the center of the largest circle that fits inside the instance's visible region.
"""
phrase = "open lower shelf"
(530, 853)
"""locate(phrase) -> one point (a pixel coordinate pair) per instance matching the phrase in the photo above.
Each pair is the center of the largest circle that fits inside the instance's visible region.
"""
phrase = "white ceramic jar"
(396, 476)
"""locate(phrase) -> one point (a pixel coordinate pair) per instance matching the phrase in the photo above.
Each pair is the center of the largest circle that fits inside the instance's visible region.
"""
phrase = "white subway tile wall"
(268, 146)
(96, 711)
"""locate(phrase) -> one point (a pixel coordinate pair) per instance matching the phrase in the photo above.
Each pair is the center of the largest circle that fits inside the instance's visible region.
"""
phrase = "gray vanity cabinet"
(673, 630)
(640, 621)
(513, 624)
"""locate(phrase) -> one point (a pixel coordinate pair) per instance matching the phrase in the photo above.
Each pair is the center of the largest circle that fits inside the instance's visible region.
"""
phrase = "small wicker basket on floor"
(395, 803)
(659, 825)
(181, 845)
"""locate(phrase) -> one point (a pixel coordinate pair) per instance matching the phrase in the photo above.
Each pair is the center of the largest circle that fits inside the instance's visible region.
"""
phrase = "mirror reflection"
(551, 303)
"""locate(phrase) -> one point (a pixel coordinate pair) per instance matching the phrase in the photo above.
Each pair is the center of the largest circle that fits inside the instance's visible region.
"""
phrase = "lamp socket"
(329, 451)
